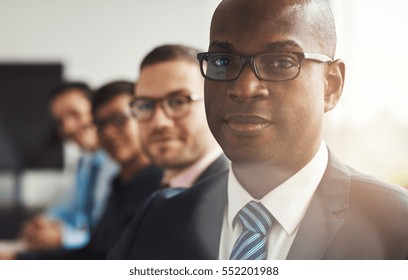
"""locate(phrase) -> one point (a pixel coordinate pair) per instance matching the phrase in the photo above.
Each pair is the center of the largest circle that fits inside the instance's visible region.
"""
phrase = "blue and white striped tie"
(256, 222)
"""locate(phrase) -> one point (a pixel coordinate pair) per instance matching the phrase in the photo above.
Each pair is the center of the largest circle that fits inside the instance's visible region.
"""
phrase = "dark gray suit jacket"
(351, 216)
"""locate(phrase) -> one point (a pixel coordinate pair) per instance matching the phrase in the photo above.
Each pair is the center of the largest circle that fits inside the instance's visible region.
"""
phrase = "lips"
(247, 124)
(114, 145)
(160, 138)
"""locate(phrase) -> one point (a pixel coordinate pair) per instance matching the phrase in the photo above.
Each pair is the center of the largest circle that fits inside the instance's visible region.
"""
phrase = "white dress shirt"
(287, 203)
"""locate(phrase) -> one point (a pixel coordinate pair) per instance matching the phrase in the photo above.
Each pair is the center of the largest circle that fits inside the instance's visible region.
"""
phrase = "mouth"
(247, 124)
(162, 138)
(114, 145)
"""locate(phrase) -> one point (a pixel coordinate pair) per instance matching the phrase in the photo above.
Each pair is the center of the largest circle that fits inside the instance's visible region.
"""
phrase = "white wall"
(369, 127)
(99, 40)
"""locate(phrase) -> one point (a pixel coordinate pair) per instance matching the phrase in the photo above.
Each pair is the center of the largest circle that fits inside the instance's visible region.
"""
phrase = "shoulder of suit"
(370, 183)
(382, 201)
(216, 182)
(358, 184)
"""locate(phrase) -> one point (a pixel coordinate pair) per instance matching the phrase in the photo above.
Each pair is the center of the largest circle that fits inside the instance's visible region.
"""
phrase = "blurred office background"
(369, 127)
(98, 41)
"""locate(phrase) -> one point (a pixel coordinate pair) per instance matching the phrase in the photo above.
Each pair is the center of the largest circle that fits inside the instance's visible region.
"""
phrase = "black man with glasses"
(270, 78)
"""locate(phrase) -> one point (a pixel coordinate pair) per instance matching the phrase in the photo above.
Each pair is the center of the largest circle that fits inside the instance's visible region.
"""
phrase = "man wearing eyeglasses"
(70, 221)
(136, 180)
(270, 78)
(169, 107)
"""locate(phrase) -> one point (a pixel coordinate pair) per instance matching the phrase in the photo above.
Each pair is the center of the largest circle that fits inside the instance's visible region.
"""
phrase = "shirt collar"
(289, 201)
(187, 178)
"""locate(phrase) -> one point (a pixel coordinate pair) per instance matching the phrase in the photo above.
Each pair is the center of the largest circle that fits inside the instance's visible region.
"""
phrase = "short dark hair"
(109, 91)
(170, 52)
(67, 86)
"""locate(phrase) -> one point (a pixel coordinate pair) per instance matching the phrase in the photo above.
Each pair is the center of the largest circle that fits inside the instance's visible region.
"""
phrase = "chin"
(165, 151)
(249, 156)
(117, 155)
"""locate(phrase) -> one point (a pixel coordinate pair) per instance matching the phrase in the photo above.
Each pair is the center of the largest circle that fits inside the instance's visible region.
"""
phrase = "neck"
(131, 167)
(90, 148)
(258, 179)
(171, 173)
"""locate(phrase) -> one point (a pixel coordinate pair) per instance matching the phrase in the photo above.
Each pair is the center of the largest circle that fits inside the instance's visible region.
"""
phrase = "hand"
(42, 233)
(7, 255)
(10, 248)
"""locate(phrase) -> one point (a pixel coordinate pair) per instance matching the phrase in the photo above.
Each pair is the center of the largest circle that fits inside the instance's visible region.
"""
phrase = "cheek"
(84, 119)
(103, 139)
(187, 128)
(144, 132)
(213, 97)
(131, 135)
(305, 113)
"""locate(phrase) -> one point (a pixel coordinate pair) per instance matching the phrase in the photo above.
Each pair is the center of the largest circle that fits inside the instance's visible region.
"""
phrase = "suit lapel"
(321, 222)
(204, 231)
(317, 230)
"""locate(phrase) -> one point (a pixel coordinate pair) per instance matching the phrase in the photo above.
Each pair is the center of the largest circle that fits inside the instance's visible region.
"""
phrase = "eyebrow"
(273, 46)
(221, 45)
(111, 116)
(281, 45)
(170, 94)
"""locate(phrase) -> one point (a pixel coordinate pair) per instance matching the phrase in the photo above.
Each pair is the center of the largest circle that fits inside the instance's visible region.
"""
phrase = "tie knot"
(255, 217)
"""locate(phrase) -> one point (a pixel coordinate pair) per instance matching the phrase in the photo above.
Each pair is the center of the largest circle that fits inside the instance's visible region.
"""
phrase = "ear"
(334, 84)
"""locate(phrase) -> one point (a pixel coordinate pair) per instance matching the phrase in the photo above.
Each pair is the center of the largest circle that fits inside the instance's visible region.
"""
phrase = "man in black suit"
(270, 77)
(169, 106)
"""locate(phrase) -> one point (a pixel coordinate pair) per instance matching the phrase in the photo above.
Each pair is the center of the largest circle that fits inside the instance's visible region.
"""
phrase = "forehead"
(71, 95)
(249, 27)
(70, 100)
(164, 78)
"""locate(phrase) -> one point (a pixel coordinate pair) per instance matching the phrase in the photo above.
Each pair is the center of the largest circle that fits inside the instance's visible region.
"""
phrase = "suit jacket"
(124, 200)
(351, 216)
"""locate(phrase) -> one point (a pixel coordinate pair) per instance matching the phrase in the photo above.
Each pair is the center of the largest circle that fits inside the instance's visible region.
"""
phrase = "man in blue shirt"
(68, 223)
(136, 180)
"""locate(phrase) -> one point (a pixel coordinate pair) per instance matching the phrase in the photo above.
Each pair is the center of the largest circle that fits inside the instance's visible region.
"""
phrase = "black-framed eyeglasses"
(175, 107)
(117, 120)
(271, 67)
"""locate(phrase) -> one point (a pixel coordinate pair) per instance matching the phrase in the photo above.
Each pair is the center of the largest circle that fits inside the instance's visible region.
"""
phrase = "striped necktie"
(256, 222)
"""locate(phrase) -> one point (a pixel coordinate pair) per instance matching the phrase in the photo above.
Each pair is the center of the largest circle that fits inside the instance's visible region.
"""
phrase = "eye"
(282, 62)
(220, 61)
(144, 105)
(119, 120)
(279, 62)
(100, 123)
(176, 101)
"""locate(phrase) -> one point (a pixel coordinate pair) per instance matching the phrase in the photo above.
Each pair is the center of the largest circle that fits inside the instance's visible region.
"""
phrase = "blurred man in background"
(137, 179)
(68, 223)
(170, 110)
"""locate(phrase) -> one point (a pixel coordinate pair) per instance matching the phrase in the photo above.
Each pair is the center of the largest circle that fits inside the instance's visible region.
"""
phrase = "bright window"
(369, 128)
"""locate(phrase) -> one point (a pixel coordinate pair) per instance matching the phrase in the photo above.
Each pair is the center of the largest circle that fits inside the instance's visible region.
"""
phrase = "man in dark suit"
(270, 77)
(169, 106)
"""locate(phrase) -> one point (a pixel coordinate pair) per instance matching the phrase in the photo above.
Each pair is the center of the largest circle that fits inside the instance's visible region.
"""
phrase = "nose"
(160, 118)
(108, 131)
(247, 87)
(68, 127)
